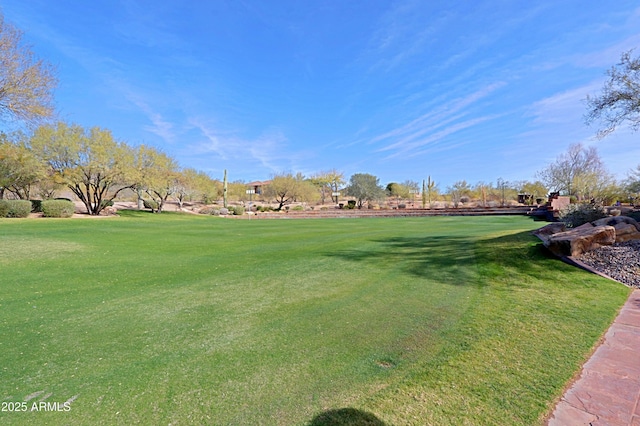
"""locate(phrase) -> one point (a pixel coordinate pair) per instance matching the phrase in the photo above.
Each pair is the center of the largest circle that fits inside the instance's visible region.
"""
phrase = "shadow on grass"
(430, 257)
(448, 259)
(346, 417)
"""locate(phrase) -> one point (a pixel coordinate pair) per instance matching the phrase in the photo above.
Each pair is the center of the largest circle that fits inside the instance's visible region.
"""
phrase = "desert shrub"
(106, 203)
(4, 208)
(150, 204)
(36, 206)
(214, 211)
(237, 210)
(15, 208)
(57, 208)
(207, 210)
(19, 208)
(351, 204)
(297, 208)
(579, 214)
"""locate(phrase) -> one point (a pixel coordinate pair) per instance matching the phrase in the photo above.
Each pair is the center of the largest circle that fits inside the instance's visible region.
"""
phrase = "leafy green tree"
(142, 165)
(208, 188)
(282, 188)
(397, 191)
(536, 189)
(156, 175)
(20, 169)
(619, 100)
(26, 83)
(287, 188)
(49, 186)
(185, 186)
(328, 183)
(458, 190)
(364, 187)
(307, 191)
(91, 163)
(402, 191)
(237, 190)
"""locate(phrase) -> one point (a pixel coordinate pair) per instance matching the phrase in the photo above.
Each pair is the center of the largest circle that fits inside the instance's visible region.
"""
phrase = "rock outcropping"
(626, 228)
(576, 241)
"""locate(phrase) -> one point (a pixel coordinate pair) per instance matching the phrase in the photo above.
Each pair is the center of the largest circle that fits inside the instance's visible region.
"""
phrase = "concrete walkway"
(608, 390)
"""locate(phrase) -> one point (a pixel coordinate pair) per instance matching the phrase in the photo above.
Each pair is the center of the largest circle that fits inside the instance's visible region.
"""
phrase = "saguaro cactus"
(224, 189)
(430, 186)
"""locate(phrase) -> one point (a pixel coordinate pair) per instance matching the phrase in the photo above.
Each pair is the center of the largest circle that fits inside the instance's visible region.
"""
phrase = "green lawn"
(176, 319)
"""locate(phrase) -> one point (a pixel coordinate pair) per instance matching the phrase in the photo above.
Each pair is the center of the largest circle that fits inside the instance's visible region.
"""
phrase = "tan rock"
(626, 232)
(614, 220)
(546, 231)
(580, 240)
(626, 227)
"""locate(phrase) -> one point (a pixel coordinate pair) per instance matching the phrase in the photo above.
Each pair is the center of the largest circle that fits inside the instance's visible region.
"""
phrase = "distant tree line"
(97, 168)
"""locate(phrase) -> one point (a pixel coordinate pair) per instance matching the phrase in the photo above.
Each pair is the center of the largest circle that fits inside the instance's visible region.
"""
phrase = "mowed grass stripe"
(199, 320)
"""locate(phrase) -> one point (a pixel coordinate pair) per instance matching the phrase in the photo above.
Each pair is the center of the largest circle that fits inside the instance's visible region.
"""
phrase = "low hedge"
(57, 208)
(15, 208)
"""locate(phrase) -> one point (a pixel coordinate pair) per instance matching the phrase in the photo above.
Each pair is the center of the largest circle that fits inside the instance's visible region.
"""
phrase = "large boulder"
(580, 240)
(546, 231)
(626, 227)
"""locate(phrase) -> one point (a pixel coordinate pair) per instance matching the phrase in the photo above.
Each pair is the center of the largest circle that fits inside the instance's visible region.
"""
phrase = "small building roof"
(259, 183)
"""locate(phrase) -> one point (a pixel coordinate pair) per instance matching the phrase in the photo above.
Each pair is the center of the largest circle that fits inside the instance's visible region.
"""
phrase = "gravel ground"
(620, 261)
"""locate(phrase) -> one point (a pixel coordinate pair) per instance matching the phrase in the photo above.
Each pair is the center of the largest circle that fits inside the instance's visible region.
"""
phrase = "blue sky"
(474, 90)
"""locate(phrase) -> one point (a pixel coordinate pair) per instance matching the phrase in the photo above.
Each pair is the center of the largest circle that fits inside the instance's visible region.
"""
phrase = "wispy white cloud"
(111, 72)
(435, 125)
(161, 127)
(213, 142)
(557, 121)
(608, 56)
(403, 33)
(410, 149)
(270, 150)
